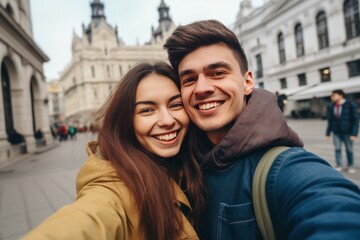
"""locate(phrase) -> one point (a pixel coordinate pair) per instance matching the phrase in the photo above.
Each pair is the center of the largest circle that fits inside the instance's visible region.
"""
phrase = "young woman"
(139, 182)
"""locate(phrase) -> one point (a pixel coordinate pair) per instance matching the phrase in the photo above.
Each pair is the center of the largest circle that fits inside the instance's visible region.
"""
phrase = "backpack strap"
(262, 214)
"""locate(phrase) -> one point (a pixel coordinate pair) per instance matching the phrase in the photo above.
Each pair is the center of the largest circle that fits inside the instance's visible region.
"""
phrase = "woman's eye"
(145, 110)
(176, 105)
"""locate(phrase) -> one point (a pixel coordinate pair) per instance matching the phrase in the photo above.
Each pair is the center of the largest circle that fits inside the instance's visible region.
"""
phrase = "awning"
(325, 89)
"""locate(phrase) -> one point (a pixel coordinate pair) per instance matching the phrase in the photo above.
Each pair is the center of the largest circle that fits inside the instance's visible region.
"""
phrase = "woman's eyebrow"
(175, 97)
(145, 102)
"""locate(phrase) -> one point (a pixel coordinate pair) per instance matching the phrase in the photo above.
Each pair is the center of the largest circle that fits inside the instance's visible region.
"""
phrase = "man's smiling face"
(213, 88)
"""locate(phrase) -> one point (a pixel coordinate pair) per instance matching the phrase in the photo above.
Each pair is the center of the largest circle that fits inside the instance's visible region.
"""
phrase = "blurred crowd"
(63, 131)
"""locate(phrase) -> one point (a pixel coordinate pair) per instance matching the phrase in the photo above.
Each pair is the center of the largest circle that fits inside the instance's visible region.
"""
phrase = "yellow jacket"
(104, 208)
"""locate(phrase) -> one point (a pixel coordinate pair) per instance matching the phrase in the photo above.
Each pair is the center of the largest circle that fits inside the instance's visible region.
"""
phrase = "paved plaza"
(34, 186)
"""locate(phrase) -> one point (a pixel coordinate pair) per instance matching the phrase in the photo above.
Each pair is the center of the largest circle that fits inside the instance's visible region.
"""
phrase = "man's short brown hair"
(186, 39)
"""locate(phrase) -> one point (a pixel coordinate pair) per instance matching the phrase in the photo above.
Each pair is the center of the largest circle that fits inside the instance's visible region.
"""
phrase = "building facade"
(100, 59)
(24, 121)
(55, 102)
(303, 49)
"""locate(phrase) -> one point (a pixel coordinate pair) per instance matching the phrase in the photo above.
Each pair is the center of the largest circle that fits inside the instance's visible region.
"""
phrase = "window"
(302, 79)
(261, 85)
(352, 20)
(259, 71)
(9, 10)
(74, 80)
(354, 68)
(283, 83)
(92, 71)
(120, 71)
(281, 48)
(299, 40)
(325, 74)
(322, 31)
(108, 70)
(106, 51)
(6, 90)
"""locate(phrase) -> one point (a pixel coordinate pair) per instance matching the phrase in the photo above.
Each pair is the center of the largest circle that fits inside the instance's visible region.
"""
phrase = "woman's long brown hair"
(147, 176)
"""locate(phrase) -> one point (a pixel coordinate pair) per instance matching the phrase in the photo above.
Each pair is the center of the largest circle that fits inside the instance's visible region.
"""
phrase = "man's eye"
(217, 74)
(188, 80)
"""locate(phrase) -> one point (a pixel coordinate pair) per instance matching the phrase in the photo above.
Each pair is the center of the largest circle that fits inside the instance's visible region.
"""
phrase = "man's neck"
(217, 135)
(340, 102)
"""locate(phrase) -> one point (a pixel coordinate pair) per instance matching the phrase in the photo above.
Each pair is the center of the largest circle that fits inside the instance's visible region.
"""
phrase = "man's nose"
(203, 86)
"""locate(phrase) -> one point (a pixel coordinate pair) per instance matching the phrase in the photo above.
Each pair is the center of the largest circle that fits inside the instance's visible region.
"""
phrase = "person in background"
(237, 124)
(281, 100)
(139, 182)
(72, 132)
(343, 122)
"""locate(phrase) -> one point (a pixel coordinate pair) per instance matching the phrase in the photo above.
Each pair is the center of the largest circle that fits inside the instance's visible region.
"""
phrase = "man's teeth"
(167, 137)
(207, 106)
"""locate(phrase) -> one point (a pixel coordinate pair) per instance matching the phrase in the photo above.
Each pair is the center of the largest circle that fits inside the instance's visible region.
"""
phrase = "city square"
(35, 186)
(303, 52)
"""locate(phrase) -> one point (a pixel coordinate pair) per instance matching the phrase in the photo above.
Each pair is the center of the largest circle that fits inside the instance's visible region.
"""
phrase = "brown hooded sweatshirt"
(260, 125)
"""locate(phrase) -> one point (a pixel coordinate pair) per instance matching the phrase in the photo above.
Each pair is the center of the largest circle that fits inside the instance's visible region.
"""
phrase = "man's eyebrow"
(208, 67)
(217, 65)
(185, 72)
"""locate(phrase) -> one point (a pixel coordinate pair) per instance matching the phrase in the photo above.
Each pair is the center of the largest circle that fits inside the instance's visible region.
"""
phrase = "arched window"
(92, 71)
(281, 46)
(352, 20)
(33, 102)
(6, 90)
(322, 30)
(9, 10)
(299, 40)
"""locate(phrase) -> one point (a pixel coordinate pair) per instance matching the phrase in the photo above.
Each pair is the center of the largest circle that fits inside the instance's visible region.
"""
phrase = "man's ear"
(248, 83)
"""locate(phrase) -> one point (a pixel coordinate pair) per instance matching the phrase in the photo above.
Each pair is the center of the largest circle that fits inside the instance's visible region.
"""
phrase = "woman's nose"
(166, 119)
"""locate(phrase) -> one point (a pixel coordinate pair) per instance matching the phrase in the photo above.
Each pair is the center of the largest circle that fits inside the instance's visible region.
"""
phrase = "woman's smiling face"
(160, 121)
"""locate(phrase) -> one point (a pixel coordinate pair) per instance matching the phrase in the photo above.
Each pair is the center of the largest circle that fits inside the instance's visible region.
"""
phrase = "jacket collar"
(92, 149)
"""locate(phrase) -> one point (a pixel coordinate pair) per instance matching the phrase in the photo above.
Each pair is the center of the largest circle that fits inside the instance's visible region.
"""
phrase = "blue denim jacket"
(306, 197)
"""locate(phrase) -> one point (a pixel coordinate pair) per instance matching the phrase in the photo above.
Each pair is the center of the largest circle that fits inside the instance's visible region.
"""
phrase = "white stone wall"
(258, 33)
(23, 59)
(89, 92)
(21, 11)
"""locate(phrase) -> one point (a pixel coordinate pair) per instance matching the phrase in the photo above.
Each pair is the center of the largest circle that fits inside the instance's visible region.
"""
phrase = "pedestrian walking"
(281, 100)
(343, 122)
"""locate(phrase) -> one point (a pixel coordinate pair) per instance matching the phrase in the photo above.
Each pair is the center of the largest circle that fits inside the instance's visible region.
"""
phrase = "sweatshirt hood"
(260, 125)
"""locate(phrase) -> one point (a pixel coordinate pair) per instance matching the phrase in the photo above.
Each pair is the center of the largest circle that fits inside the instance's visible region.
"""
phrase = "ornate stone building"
(23, 95)
(100, 59)
(303, 49)
(56, 102)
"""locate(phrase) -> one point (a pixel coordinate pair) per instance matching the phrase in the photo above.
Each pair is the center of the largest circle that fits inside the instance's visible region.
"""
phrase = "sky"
(55, 21)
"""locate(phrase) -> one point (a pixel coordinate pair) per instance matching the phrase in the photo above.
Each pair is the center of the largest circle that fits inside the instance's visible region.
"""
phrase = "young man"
(306, 197)
(343, 121)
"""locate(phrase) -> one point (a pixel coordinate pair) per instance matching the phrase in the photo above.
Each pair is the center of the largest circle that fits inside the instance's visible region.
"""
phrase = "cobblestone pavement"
(35, 186)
